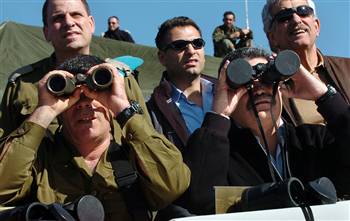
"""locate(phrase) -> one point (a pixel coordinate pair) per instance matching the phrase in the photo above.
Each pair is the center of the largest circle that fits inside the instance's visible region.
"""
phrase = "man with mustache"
(293, 24)
(68, 26)
(230, 150)
(80, 158)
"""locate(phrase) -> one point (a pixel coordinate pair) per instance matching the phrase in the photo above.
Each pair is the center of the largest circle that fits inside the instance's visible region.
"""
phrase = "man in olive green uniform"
(76, 161)
(70, 35)
(225, 36)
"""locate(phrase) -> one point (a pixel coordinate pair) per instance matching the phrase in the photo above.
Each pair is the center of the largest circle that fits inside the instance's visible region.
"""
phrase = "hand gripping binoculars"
(239, 72)
(100, 79)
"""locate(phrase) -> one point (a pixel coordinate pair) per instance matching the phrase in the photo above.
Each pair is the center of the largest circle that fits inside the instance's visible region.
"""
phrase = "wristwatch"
(127, 113)
(331, 91)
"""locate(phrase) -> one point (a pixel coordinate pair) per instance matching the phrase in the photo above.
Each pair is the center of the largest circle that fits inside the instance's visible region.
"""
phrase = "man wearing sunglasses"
(293, 24)
(228, 37)
(178, 105)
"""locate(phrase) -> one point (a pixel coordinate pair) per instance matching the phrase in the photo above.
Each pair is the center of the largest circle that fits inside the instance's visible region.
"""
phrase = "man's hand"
(49, 105)
(115, 98)
(226, 99)
(304, 85)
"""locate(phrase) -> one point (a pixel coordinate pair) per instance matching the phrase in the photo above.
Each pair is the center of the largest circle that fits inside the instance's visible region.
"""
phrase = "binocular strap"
(128, 183)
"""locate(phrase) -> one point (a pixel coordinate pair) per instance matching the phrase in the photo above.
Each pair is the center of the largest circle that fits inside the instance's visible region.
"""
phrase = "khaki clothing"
(333, 71)
(21, 96)
(224, 43)
(32, 158)
(31, 161)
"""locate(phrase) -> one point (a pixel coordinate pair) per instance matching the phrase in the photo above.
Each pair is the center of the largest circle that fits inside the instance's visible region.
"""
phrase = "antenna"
(246, 14)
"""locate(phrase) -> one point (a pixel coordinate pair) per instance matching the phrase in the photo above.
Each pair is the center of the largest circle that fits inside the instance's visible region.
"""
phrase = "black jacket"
(119, 35)
(222, 155)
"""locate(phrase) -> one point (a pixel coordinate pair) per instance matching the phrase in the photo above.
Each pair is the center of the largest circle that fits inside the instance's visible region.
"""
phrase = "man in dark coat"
(226, 152)
(114, 31)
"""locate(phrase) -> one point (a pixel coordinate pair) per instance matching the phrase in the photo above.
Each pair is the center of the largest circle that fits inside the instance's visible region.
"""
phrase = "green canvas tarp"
(23, 44)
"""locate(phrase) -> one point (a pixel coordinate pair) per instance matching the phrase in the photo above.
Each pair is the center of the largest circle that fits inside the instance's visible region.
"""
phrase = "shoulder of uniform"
(120, 66)
(26, 69)
(126, 64)
(20, 71)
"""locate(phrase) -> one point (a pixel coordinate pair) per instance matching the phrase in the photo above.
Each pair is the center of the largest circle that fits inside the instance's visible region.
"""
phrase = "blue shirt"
(191, 112)
(277, 160)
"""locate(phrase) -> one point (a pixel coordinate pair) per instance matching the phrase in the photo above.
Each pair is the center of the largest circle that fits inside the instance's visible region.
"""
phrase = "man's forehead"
(281, 4)
(183, 32)
(56, 6)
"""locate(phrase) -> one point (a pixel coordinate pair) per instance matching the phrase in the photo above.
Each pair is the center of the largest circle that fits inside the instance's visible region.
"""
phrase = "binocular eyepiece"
(239, 72)
(100, 79)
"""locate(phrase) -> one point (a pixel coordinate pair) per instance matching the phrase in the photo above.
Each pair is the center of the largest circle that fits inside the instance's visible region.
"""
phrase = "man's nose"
(69, 20)
(295, 18)
(84, 101)
(190, 49)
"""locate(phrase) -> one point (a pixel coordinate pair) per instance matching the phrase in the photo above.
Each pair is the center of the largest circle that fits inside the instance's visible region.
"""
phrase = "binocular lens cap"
(287, 62)
(239, 72)
(90, 208)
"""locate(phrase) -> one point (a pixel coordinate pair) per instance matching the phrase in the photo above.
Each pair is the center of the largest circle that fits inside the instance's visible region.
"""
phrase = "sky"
(143, 17)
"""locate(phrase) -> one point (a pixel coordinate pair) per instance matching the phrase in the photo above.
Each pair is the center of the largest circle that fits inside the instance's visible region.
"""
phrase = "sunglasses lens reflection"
(286, 14)
(180, 45)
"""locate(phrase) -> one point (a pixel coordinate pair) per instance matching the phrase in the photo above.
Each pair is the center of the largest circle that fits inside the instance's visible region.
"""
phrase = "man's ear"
(272, 41)
(46, 33)
(92, 23)
(317, 26)
(161, 57)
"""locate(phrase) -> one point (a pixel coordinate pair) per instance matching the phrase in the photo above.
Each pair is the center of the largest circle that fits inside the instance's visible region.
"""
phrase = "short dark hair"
(169, 24)
(245, 53)
(46, 5)
(113, 16)
(80, 64)
(229, 13)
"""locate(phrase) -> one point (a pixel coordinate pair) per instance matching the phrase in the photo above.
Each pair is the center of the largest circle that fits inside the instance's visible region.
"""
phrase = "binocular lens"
(56, 84)
(239, 72)
(287, 193)
(102, 77)
(287, 63)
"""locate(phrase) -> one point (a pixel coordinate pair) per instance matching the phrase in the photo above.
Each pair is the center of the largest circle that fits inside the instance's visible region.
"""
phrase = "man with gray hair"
(292, 24)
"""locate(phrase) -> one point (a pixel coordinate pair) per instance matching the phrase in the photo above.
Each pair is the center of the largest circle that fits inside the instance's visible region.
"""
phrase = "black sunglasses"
(180, 45)
(287, 14)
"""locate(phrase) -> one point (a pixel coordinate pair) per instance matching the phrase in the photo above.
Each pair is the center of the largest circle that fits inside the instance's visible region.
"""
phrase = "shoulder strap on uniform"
(127, 179)
(23, 70)
(122, 67)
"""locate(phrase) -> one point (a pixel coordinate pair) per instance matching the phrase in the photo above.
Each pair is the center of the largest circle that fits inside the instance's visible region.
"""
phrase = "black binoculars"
(85, 208)
(239, 72)
(100, 79)
(288, 193)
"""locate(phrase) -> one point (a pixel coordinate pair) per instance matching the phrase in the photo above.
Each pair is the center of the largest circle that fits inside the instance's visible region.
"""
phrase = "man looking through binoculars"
(76, 161)
(257, 146)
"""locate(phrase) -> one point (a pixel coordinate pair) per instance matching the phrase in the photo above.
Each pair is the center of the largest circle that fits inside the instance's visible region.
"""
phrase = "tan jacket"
(336, 71)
